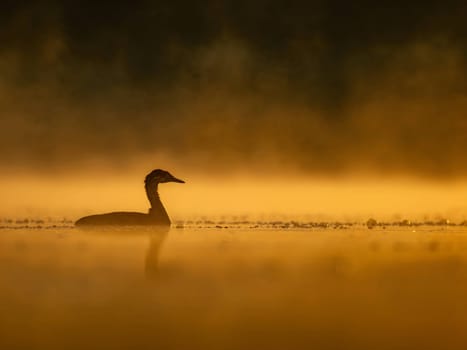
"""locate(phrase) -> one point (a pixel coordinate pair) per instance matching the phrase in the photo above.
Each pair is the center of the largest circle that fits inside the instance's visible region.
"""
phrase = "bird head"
(161, 176)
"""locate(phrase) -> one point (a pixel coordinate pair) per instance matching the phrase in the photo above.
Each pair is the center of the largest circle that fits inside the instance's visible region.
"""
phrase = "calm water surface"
(234, 288)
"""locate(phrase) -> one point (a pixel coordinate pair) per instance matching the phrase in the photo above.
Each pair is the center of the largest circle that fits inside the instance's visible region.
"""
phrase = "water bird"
(156, 216)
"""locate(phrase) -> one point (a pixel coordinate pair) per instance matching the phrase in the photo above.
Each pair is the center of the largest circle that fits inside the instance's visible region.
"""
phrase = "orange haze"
(254, 196)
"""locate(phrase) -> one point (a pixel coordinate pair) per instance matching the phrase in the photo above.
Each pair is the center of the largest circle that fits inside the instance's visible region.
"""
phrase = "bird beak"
(174, 179)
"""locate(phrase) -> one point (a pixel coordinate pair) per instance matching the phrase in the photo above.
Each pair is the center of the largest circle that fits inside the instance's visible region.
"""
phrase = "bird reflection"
(156, 241)
(156, 236)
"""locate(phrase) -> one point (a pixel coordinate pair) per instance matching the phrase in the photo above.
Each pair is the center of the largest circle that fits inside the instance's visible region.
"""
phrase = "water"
(318, 287)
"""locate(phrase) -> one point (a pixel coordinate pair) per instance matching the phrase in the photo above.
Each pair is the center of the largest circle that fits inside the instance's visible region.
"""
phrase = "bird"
(156, 216)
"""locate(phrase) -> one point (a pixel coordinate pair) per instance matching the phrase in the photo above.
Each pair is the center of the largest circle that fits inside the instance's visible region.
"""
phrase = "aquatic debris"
(405, 223)
(205, 223)
(443, 222)
(371, 223)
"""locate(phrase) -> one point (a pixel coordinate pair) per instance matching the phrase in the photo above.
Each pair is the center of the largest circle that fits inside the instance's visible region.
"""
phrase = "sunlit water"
(240, 287)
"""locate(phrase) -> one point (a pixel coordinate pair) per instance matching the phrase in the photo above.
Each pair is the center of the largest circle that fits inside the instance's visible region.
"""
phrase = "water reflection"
(233, 289)
(156, 236)
(156, 241)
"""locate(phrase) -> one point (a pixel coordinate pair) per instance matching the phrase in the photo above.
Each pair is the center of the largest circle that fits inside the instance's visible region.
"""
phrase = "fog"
(238, 198)
(309, 105)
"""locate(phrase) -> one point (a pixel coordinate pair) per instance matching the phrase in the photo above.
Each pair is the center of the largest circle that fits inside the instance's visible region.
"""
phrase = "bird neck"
(157, 210)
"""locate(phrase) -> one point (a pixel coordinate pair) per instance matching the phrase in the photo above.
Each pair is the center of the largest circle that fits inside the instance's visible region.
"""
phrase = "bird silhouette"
(157, 214)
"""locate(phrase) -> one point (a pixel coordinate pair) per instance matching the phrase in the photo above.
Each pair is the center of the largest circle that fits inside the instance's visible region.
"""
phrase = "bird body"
(157, 215)
(121, 218)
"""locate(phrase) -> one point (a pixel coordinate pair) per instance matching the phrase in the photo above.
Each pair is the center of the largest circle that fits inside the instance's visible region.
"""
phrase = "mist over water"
(212, 91)
(397, 122)
(393, 147)
(241, 197)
